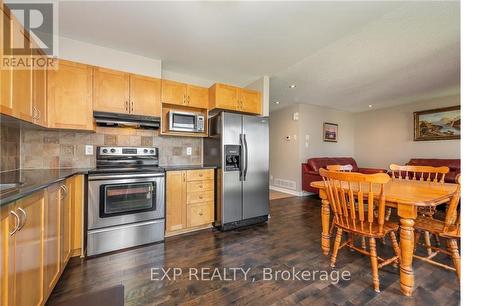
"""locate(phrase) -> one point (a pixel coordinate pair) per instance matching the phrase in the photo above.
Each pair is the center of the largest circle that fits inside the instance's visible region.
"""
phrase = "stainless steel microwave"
(186, 121)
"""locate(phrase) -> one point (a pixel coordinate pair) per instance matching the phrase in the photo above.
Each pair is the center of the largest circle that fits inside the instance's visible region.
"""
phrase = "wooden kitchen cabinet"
(21, 78)
(22, 258)
(197, 96)
(190, 200)
(76, 186)
(6, 106)
(52, 237)
(184, 94)
(227, 97)
(176, 200)
(145, 95)
(69, 96)
(111, 91)
(66, 199)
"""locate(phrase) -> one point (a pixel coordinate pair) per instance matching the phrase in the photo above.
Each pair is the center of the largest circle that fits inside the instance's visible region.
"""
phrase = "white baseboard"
(292, 192)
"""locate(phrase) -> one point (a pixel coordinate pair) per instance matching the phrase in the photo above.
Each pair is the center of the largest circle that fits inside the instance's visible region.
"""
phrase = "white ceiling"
(340, 54)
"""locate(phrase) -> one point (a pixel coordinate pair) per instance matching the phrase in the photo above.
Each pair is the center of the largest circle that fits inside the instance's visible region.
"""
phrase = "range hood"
(126, 120)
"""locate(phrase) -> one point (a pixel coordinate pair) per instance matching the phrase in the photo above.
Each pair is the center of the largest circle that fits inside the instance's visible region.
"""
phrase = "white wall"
(90, 54)
(311, 123)
(385, 136)
(286, 156)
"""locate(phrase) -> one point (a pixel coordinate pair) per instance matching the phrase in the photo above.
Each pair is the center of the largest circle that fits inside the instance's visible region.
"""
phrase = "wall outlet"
(89, 150)
(189, 150)
(295, 116)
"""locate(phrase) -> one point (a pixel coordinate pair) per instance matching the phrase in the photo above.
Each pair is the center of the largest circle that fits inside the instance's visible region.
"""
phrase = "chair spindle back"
(422, 173)
(452, 217)
(349, 191)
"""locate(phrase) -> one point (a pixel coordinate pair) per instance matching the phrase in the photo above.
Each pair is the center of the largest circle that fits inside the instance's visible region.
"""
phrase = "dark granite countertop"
(186, 167)
(33, 180)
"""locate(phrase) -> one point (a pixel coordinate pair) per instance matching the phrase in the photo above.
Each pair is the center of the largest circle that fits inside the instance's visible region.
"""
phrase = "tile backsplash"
(66, 149)
(9, 147)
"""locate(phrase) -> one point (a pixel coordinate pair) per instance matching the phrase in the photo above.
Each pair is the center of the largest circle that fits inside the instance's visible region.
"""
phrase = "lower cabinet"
(36, 242)
(189, 201)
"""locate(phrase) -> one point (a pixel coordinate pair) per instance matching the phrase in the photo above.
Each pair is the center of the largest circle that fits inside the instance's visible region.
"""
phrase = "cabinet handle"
(17, 223)
(36, 113)
(65, 192)
(200, 213)
(132, 107)
(184, 99)
(200, 197)
(24, 219)
(188, 99)
(126, 105)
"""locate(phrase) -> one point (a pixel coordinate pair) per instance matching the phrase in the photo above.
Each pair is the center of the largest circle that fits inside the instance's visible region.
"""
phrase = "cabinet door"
(8, 223)
(5, 74)
(251, 101)
(21, 78)
(197, 96)
(145, 95)
(173, 92)
(28, 252)
(39, 81)
(77, 199)
(176, 200)
(224, 97)
(52, 237)
(111, 91)
(69, 96)
(66, 223)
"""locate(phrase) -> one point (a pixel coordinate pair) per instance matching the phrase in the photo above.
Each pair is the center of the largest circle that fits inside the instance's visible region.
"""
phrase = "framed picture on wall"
(330, 132)
(437, 124)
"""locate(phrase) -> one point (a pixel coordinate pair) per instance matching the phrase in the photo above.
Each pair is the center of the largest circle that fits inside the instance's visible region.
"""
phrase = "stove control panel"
(126, 151)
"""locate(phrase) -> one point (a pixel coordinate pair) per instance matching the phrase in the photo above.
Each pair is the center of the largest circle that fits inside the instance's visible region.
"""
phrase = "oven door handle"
(124, 176)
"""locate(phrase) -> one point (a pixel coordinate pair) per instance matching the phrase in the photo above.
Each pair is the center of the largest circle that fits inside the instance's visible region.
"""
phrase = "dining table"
(407, 196)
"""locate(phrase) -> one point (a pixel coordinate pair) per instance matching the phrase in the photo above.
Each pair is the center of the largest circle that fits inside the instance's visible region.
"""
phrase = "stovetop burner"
(127, 160)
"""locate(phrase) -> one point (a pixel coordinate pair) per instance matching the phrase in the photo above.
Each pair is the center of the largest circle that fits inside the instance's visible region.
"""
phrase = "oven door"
(121, 199)
(182, 121)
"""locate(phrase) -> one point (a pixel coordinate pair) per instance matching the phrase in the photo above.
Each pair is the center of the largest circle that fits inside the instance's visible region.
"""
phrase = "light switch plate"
(89, 150)
(189, 150)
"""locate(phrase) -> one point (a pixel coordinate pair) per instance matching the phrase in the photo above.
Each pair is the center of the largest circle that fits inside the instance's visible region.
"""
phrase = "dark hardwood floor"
(290, 239)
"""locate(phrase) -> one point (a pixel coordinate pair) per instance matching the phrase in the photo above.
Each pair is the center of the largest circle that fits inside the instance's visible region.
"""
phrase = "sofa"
(310, 170)
(453, 164)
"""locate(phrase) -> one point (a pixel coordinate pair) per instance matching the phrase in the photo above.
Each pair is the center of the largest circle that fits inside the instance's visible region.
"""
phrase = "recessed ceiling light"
(277, 102)
(292, 86)
(370, 106)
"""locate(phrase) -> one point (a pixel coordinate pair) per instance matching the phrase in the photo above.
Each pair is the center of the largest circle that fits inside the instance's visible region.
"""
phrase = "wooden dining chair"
(347, 194)
(340, 168)
(448, 229)
(423, 174)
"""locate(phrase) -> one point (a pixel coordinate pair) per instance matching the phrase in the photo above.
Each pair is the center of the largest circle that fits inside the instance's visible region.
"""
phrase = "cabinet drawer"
(200, 175)
(199, 197)
(197, 186)
(200, 214)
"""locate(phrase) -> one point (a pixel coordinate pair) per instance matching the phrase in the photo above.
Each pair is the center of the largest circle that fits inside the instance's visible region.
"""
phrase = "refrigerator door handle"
(242, 157)
(246, 157)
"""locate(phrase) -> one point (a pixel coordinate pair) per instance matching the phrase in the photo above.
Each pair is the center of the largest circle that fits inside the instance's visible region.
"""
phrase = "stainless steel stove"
(126, 199)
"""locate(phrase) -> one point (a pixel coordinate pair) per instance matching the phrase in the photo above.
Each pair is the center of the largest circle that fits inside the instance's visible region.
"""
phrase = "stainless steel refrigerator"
(238, 145)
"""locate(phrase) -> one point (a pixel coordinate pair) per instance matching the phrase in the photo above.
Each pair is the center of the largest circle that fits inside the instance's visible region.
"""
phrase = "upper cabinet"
(222, 96)
(145, 95)
(184, 94)
(111, 91)
(6, 106)
(69, 96)
(122, 92)
(39, 93)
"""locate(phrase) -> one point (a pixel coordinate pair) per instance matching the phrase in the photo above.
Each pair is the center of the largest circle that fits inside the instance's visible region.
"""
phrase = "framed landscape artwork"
(437, 124)
(330, 132)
